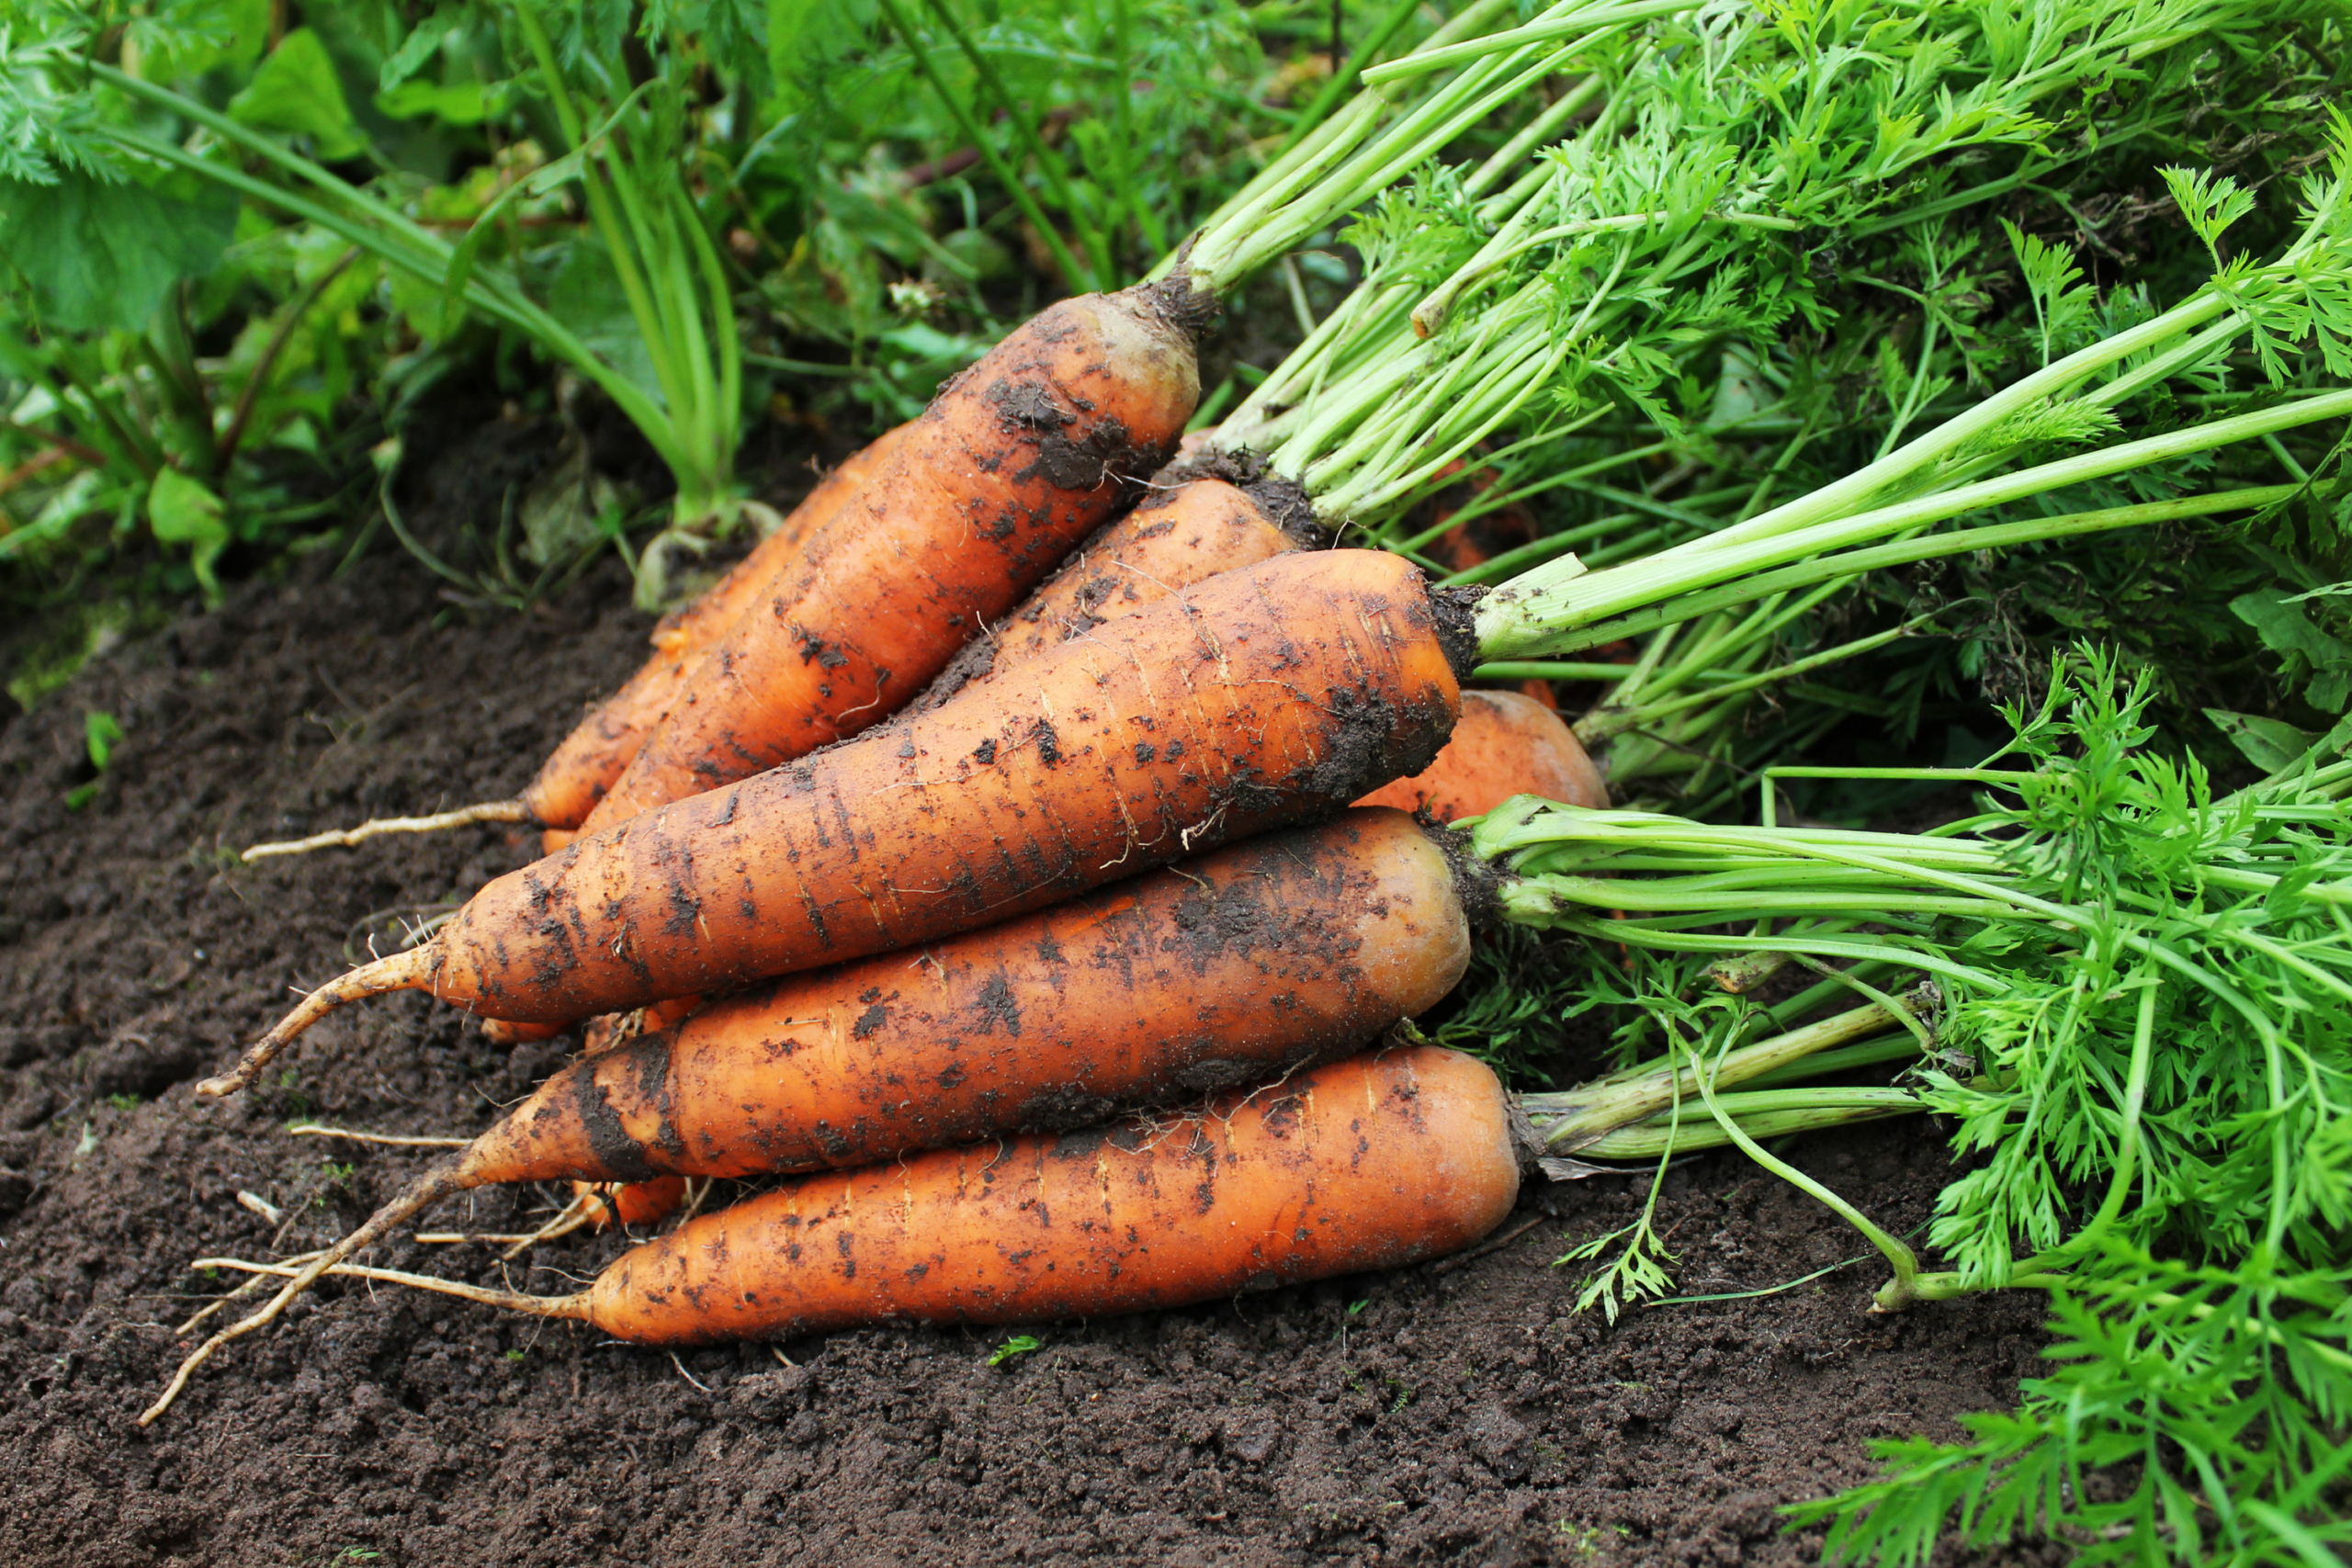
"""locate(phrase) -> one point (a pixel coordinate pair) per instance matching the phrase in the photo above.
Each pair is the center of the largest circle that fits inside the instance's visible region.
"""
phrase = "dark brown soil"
(1447, 1414)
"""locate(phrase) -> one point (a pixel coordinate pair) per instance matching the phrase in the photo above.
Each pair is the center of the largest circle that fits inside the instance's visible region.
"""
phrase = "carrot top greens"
(2132, 997)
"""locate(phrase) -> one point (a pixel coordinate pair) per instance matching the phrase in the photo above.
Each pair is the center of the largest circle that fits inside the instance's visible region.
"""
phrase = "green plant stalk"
(1344, 78)
(397, 241)
(1767, 1114)
(658, 279)
(1100, 272)
(1570, 1121)
(1503, 629)
(1548, 28)
(1319, 190)
(1294, 170)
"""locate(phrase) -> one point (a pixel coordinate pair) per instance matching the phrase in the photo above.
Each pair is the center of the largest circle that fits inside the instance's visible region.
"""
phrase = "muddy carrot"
(1505, 744)
(1256, 698)
(1013, 463)
(1370, 1163)
(1227, 969)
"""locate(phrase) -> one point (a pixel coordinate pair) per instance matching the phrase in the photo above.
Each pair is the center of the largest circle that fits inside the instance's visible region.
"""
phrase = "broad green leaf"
(297, 91)
(2269, 744)
(2285, 629)
(182, 510)
(99, 253)
(586, 296)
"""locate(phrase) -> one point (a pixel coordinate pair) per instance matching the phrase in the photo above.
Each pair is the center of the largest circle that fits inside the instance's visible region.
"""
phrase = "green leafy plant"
(2140, 1025)
(1013, 1350)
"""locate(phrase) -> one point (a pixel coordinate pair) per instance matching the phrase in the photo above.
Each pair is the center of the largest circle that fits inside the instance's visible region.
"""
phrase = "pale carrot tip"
(486, 811)
(399, 971)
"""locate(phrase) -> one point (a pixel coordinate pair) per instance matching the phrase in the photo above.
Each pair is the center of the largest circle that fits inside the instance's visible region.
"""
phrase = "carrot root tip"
(398, 972)
(435, 1184)
(486, 811)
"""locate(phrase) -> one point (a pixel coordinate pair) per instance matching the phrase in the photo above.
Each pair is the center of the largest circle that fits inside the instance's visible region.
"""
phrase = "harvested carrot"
(585, 764)
(1174, 539)
(1236, 966)
(1506, 744)
(1375, 1162)
(1256, 698)
(1016, 461)
(601, 747)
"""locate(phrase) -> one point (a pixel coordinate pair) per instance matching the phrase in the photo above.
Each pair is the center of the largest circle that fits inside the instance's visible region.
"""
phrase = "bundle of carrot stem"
(1014, 827)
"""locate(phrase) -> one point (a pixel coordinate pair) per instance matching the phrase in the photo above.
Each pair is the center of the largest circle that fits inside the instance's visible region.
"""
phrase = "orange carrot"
(600, 748)
(632, 1203)
(1375, 1162)
(1015, 462)
(1259, 697)
(1231, 967)
(1506, 744)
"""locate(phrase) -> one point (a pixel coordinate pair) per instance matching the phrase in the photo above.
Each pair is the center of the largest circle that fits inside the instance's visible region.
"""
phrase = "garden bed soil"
(1457, 1412)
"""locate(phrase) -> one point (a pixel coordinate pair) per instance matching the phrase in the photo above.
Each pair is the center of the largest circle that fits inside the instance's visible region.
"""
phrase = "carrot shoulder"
(1011, 466)
(1370, 1163)
(1228, 969)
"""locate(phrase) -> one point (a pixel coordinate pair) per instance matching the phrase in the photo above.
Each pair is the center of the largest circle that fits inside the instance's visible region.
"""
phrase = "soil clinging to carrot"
(1450, 1412)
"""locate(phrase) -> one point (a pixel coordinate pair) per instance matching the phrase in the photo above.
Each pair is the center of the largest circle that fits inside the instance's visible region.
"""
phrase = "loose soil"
(1459, 1412)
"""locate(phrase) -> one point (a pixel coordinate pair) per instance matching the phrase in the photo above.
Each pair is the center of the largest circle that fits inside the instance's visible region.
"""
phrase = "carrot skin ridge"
(1240, 964)
(1375, 1162)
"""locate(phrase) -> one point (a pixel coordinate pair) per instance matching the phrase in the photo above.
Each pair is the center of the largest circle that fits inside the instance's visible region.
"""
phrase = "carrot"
(1256, 698)
(1375, 1162)
(1235, 965)
(588, 761)
(1173, 539)
(1506, 744)
(1015, 462)
(585, 764)
(627, 1203)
